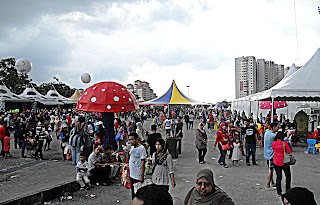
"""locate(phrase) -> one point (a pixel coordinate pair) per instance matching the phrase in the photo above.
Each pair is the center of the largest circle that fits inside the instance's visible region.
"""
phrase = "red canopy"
(277, 104)
(107, 97)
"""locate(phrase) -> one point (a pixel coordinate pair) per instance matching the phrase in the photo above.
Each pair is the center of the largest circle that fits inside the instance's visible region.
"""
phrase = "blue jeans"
(222, 155)
(75, 153)
(287, 173)
(251, 150)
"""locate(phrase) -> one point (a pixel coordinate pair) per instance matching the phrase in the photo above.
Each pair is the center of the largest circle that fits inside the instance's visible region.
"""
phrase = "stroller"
(31, 147)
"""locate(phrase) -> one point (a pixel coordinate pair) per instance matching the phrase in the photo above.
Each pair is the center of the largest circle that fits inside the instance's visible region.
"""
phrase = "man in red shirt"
(316, 134)
(2, 134)
(69, 120)
(211, 122)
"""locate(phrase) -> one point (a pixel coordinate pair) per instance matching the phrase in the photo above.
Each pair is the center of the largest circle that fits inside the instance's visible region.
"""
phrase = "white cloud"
(194, 42)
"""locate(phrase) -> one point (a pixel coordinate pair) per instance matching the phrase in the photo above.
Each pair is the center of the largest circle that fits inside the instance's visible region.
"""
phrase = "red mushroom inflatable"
(107, 98)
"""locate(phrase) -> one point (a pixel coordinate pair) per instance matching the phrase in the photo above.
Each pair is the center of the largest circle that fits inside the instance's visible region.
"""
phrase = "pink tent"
(277, 104)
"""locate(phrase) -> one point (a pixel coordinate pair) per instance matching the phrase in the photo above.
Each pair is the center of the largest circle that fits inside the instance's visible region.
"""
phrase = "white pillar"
(272, 110)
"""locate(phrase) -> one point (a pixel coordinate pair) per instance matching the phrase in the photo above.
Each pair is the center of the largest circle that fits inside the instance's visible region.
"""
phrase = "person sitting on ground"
(111, 161)
(206, 192)
(298, 196)
(82, 172)
(152, 138)
(100, 171)
(152, 195)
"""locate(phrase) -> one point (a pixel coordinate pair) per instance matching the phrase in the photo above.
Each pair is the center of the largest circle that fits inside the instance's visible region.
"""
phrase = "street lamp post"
(188, 86)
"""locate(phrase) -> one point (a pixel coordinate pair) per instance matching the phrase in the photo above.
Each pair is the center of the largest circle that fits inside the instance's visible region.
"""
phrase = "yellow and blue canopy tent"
(172, 97)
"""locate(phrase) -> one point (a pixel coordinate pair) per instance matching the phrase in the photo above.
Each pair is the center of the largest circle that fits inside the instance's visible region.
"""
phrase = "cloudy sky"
(194, 42)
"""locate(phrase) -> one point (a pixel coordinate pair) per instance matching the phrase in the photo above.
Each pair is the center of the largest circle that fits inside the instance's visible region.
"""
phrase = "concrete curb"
(44, 195)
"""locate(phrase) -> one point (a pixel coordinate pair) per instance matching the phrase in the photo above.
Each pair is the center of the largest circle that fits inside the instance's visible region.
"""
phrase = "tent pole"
(258, 111)
(272, 110)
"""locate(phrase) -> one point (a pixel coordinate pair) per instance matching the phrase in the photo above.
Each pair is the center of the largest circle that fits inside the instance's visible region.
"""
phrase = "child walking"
(236, 152)
(6, 147)
(82, 172)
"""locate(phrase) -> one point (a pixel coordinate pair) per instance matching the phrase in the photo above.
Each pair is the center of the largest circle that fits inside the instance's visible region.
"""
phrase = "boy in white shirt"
(82, 172)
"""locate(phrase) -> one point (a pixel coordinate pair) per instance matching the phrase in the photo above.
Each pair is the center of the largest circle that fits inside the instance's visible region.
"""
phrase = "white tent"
(32, 94)
(251, 103)
(303, 85)
(292, 70)
(53, 94)
(7, 96)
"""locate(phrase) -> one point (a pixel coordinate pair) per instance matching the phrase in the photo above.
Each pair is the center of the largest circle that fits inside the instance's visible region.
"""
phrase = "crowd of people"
(82, 138)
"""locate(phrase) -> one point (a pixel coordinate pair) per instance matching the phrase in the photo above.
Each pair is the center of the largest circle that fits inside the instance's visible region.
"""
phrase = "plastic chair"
(311, 145)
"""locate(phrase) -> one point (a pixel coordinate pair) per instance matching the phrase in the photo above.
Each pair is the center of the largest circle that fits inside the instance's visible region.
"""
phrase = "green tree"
(62, 88)
(15, 81)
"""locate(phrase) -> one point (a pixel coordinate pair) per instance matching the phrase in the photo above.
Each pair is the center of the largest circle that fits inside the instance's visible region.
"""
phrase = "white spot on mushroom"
(122, 107)
(103, 90)
(124, 96)
(94, 88)
(80, 106)
(114, 90)
(122, 88)
(85, 93)
(109, 107)
(130, 99)
(93, 99)
(116, 85)
(116, 98)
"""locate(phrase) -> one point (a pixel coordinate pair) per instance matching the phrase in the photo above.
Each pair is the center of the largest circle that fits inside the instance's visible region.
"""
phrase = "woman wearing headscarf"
(222, 139)
(76, 141)
(140, 131)
(162, 163)
(201, 142)
(206, 192)
(279, 147)
(298, 196)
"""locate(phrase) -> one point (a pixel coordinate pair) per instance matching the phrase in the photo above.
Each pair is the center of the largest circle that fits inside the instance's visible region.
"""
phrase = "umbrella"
(277, 104)
(107, 98)
(221, 105)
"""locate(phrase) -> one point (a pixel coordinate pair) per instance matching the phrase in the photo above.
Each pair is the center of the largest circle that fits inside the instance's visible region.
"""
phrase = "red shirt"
(211, 118)
(278, 150)
(69, 121)
(2, 132)
(222, 138)
(315, 134)
(6, 143)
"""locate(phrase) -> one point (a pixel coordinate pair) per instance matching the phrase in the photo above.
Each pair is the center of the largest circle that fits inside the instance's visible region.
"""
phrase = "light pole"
(188, 86)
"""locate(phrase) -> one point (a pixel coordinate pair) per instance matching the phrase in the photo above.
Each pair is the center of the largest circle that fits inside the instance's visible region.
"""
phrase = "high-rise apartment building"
(246, 72)
(142, 90)
(254, 76)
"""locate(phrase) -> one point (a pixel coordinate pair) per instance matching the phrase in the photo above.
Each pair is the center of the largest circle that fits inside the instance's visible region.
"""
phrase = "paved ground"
(21, 177)
(244, 184)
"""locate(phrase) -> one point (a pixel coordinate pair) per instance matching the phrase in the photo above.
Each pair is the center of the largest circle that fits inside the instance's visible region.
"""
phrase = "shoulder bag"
(288, 158)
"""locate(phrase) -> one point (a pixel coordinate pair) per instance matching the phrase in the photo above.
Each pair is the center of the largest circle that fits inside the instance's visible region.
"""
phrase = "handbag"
(125, 175)
(148, 168)
(288, 159)
(225, 147)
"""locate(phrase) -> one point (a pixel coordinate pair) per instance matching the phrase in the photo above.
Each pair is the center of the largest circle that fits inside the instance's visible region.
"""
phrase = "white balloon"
(85, 77)
(23, 65)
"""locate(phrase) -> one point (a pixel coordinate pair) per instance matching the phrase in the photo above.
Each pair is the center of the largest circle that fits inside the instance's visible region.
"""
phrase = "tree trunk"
(109, 137)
